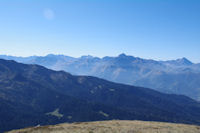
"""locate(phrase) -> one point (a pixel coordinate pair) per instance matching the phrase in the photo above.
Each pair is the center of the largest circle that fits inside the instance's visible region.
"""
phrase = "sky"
(152, 29)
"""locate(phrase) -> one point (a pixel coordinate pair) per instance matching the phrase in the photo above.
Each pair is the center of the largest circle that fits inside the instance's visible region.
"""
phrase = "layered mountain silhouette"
(32, 95)
(179, 76)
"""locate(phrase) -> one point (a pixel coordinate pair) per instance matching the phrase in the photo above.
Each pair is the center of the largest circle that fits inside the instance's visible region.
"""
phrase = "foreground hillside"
(114, 127)
(32, 95)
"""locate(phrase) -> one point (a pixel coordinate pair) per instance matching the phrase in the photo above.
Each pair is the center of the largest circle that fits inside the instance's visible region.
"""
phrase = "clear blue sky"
(156, 29)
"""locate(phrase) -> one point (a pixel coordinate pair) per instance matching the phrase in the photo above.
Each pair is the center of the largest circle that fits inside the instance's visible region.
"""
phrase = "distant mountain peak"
(87, 57)
(184, 61)
(55, 55)
(122, 55)
(129, 58)
(180, 62)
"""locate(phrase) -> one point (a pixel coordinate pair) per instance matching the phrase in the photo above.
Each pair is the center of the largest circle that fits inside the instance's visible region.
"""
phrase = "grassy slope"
(114, 127)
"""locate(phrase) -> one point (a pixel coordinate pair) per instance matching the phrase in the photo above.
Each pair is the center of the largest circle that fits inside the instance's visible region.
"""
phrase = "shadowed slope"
(32, 95)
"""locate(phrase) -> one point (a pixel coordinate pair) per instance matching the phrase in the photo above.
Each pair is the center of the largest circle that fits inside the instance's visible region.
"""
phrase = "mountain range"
(179, 76)
(32, 95)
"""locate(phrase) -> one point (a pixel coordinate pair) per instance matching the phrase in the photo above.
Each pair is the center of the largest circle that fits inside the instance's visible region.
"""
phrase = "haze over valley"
(179, 76)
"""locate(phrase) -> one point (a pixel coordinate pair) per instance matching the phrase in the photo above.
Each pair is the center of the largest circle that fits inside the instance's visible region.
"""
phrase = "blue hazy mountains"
(179, 76)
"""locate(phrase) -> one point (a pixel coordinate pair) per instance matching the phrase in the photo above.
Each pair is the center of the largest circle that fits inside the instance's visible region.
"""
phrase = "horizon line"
(89, 55)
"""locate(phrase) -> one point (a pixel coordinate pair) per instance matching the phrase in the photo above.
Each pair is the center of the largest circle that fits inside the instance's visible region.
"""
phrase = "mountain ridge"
(11, 57)
(179, 76)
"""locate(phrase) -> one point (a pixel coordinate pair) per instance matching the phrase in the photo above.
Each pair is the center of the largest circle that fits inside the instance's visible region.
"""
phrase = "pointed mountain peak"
(184, 61)
(122, 55)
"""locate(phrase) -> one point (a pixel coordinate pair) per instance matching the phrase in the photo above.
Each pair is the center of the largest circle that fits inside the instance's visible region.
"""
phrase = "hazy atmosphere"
(100, 66)
(153, 29)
